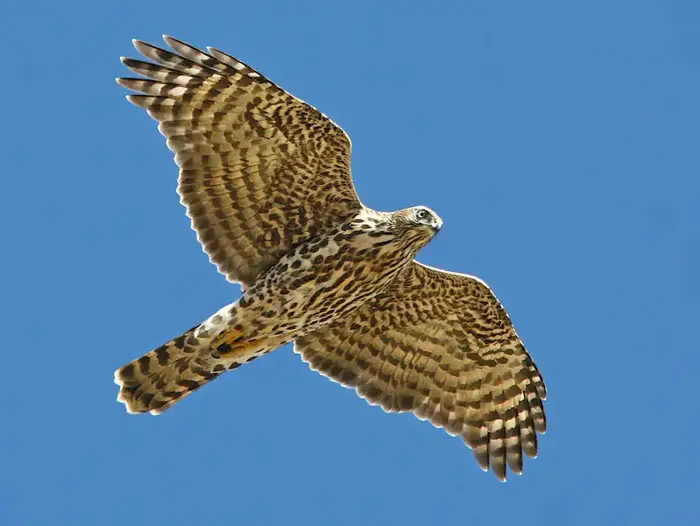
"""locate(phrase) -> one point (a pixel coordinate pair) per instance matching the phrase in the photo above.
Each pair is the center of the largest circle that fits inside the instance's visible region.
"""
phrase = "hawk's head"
(424, 217)
(417, 225)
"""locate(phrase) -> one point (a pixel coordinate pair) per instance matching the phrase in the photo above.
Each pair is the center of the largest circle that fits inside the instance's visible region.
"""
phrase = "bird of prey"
(266, 182)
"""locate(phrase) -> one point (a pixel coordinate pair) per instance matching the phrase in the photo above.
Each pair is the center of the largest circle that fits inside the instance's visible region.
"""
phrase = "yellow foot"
(240, 348)
(225, 343)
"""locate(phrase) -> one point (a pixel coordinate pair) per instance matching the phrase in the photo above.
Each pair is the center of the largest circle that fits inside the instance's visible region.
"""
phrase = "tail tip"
(121, 398)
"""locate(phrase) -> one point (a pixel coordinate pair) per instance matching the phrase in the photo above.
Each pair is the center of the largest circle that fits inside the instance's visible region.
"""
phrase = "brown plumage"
(266, 181)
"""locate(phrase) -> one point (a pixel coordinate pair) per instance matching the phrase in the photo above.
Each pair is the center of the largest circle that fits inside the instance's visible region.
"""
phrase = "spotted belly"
(319, 282)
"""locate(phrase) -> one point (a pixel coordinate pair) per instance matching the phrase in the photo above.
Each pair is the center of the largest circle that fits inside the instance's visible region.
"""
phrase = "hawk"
(266, 182)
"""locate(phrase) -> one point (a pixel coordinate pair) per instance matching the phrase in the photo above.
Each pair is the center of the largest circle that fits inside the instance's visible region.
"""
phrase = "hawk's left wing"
(441, 345)
(260, 170)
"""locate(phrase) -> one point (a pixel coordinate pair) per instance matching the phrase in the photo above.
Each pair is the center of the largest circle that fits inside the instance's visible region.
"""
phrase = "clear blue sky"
(560, 144)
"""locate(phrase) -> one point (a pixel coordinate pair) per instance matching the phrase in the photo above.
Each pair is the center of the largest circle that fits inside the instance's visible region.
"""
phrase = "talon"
(224, 342)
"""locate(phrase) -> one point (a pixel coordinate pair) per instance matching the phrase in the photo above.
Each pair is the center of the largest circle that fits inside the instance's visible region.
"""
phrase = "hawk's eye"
(422, 215)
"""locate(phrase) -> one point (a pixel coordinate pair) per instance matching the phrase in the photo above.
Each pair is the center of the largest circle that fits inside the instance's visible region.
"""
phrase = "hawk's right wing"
(260, 170)
(441, 345)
